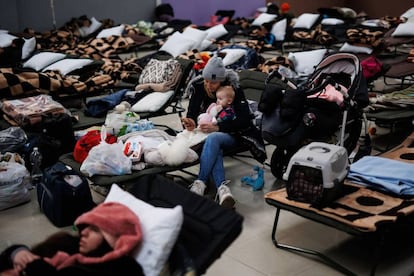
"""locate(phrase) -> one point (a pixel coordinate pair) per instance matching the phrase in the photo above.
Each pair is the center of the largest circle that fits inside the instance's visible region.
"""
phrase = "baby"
(221, 110)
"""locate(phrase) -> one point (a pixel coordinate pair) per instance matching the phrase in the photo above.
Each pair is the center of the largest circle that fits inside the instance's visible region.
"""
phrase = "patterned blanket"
(15, 82)
(18, 82)
(361, 208)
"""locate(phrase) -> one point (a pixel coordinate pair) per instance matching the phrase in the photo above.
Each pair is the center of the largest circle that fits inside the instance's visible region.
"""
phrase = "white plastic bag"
(114, 121)
(106, 159)
(14, 183)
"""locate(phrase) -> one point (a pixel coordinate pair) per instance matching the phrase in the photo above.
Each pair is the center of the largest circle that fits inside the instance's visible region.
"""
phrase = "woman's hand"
(208, 127)
(188, 123)
(22, 258)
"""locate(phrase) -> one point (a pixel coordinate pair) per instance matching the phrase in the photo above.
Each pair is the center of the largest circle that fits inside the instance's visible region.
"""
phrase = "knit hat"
(285, 7)
(214, 70)
(116, 222)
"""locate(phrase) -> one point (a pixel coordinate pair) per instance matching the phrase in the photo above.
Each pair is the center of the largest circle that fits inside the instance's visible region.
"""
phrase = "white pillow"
(355, 49)
(205, 44)
(372, 23)
(115, 31)
(404, 29)
(306, 61)
(178, 44)
(263, 18)
(332, 21)
(216, 31)
(232, 55)
(28, 47)
(152, 102)
(95, 25)
(43, 59)
(408, 14)
(67, 65)
(160, 228)
(279, 29)
(197, 35)
(6, 39)
(306, 20)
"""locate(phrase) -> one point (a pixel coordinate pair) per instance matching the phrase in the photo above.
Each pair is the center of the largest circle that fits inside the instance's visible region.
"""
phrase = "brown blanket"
(361, 208)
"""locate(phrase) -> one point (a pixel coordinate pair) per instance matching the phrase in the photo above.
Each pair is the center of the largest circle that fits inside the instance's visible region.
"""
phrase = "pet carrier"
(316, 172)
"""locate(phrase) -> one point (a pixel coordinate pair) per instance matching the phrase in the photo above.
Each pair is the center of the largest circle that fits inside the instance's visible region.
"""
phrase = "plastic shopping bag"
(106, 159)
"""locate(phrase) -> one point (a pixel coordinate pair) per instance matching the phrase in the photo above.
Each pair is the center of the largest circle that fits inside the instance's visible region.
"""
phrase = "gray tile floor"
(252, 253)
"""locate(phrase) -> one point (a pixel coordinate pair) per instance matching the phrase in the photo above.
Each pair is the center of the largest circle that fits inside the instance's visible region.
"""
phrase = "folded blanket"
(383, 173)
(29, 110)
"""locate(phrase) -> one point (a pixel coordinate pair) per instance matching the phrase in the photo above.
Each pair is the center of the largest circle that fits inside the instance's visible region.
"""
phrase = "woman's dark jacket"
(241, 127)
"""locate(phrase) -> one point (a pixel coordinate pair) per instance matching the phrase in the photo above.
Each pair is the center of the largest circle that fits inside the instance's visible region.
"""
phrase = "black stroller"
(297, 115)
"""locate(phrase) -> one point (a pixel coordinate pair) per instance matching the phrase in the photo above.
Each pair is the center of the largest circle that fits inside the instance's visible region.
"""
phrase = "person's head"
(109, 226)
(285, 7)
(266, 28)
(272, 7)
(214, 73)
(225, 96)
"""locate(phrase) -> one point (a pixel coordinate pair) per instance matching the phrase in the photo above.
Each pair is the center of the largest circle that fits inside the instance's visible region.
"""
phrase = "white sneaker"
(198, 187)
(225, 198)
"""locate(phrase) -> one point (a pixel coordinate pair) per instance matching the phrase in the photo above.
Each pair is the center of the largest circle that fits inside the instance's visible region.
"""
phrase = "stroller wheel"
(278, 162)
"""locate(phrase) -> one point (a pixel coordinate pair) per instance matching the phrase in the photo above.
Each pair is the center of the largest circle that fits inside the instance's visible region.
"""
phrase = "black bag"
(48, 146)
(12, 139)
(283, 111)
(63, 194)
(60, 127)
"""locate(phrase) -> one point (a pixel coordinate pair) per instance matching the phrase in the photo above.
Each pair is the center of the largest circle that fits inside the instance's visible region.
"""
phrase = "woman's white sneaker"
(225, 198)
(198, 187)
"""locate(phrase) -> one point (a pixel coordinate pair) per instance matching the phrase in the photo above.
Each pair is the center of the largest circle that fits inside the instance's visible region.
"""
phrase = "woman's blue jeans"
(211, 159)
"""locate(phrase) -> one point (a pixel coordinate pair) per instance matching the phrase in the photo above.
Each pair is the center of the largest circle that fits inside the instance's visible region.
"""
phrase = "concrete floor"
(253, 252)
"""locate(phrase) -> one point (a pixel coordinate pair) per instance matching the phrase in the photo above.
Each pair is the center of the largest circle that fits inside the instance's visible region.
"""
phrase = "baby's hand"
(22, 258)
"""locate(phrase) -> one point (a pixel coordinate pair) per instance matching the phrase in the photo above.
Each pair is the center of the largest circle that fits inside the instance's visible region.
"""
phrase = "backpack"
(89, 140)
(53, 135)
(63, 194)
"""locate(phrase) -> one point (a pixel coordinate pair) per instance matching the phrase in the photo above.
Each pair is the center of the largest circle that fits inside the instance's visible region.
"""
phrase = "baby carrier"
(326, 108)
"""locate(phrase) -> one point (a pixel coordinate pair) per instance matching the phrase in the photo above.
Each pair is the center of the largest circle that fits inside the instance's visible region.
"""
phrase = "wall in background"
(15, 15)
(8, 14)
(199, 11)
(375, 8)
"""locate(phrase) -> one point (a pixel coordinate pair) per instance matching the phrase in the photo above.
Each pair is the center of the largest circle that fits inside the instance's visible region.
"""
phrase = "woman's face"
(91, 238)
(211, 86)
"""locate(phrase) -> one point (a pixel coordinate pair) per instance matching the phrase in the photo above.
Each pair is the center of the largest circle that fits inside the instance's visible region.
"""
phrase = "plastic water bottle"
(36, 162)
(286, 72)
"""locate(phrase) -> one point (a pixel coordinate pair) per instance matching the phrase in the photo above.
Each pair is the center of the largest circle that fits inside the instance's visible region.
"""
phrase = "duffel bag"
(63, 194)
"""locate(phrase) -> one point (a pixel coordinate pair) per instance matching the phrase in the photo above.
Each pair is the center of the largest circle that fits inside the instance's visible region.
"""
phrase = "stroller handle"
(275, 73)
(319, 88)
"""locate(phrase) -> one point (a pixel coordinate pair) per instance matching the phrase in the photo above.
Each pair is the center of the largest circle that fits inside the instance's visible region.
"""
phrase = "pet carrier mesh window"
(305, 184)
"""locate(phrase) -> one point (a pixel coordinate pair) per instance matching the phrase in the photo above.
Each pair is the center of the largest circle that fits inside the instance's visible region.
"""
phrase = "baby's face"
(223, 99)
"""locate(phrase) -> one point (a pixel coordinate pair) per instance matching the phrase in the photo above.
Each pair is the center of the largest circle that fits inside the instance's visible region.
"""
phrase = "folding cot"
(207, 229)
(360, 211)
(403, 71)
(171, 105)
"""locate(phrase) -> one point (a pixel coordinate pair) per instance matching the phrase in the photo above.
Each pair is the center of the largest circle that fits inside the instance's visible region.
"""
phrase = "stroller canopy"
(340, 65)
